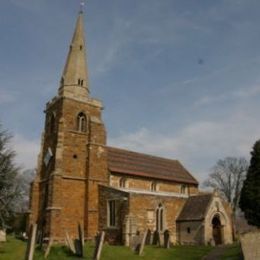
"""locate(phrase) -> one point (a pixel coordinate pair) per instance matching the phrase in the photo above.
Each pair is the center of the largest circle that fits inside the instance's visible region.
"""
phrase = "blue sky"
(178, 78)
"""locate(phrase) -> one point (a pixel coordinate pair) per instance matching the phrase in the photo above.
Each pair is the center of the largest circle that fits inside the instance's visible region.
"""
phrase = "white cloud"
(198, 145)
(26, 150)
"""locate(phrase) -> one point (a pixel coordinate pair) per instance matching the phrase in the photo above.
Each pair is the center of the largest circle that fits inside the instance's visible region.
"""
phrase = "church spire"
(74, 81)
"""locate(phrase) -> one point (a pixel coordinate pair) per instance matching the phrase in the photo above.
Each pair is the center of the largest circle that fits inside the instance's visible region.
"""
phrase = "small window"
(183, 189)
(188, 230)
(122, 183)
(81, 122)
(153, 186)
(80, 47)
(79, 82)
(112, 213)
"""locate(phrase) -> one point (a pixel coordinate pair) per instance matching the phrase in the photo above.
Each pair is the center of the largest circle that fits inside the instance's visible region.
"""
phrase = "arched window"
(122, 183)
(81, 122)
(154, 186)
(160, 218)
(183, 189)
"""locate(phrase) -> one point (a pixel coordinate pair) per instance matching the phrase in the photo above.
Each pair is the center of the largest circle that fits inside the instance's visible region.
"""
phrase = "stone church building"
(81, 180)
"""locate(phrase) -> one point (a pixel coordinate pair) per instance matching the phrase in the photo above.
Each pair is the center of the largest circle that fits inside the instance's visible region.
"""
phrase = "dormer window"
(81, 122)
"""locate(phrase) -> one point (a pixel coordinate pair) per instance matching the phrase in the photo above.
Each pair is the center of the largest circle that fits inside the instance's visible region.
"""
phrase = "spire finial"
(82, 4)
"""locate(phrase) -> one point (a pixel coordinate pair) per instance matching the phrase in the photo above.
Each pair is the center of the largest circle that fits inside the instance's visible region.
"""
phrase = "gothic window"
(81, 122)
(111, 213)
(154, 186)
(122, 183)
(160, 218)
(183, 189)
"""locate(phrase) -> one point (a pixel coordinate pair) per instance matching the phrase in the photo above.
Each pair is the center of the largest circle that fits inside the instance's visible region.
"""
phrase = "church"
(81, 180)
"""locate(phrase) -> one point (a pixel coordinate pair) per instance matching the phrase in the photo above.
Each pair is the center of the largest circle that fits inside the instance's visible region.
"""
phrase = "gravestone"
(47, 251)
(141, 248)
(31, 243)
(136, 242)
(79, 243)
(70, 243)
(99, 245)
(166, 236)
(148, 240)
(2, 236)
(156, 238)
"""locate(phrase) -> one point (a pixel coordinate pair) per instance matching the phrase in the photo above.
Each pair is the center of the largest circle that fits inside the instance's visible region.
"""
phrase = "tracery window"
(81, 122)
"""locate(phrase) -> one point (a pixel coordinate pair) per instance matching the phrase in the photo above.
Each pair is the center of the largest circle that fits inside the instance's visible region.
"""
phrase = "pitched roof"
(144, 165)
(195, 207)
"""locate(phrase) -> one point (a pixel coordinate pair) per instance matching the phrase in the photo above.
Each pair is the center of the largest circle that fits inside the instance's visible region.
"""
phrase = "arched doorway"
(216, 230)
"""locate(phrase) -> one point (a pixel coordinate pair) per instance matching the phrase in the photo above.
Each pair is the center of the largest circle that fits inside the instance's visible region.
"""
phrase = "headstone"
(136, 242)
(141, 248)
(79, 243)
(148, 240)
(166, 237)
(70, 243)
(99, 245)
(2, 236)
(31, 243)
(48, 248)
(156, 238)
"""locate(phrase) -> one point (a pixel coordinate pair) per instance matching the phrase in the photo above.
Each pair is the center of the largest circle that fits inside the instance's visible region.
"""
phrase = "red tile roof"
(195, 207)
(144, 165)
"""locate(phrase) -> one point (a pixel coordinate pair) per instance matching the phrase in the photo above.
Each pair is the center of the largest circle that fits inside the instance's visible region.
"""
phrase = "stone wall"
(250, 245)
(191, 232)
(145, 184)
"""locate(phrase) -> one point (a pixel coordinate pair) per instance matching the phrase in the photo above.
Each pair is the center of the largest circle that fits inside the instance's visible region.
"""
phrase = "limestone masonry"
(80, 180)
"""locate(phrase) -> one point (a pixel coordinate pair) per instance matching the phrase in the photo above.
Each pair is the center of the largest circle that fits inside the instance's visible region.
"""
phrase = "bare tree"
(9, 188)
(227, 177)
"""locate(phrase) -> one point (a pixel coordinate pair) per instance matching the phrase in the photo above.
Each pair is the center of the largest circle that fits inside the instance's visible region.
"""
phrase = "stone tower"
(73, 157)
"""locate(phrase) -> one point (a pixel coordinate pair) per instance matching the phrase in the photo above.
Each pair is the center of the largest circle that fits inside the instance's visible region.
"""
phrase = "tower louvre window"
(153, 186)
(81, 122)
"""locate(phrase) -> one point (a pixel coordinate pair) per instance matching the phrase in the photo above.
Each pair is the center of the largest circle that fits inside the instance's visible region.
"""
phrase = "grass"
(232, 252)
(15, 249)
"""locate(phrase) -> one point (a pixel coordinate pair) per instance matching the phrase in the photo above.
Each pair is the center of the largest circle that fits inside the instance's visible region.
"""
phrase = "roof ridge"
(150, 155)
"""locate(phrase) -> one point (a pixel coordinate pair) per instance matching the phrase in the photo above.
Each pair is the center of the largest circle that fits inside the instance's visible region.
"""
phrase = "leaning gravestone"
(48, 249)
(2, 236)
(136, 242)
(99, 245)
(141, 248)
(156, 238)
(70, 243)
(31, 243)
(79, 243)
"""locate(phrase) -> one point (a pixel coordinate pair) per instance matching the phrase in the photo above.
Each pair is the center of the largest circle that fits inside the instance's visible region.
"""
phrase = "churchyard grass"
(15, 249)
(232, 252)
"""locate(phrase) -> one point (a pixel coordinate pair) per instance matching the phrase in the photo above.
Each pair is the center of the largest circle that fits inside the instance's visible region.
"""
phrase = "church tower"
(73, 158)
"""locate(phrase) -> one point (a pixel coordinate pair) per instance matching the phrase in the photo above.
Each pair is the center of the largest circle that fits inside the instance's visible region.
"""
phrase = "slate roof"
(195, 207)
(144, 165)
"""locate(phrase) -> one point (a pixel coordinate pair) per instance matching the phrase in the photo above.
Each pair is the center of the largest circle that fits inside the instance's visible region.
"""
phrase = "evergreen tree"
(250, 194)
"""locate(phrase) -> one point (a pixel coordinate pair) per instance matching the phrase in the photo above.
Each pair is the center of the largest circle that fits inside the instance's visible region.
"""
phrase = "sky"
(178, 79)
